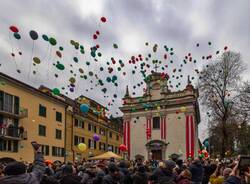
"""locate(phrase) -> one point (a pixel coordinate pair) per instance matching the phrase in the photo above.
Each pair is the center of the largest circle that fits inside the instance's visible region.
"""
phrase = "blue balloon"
(84, 108)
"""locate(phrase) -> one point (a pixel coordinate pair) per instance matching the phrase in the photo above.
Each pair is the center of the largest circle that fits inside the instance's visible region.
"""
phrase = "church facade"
(161, 122)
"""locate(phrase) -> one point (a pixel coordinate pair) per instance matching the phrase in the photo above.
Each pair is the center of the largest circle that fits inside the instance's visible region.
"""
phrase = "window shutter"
(76, 122)
(1, 100)
(75, 140)
(94, 144)
(82, 124)
(47, 150)
(16, 104)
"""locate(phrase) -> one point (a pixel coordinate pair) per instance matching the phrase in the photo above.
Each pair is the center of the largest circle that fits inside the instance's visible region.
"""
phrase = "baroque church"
(161, 123)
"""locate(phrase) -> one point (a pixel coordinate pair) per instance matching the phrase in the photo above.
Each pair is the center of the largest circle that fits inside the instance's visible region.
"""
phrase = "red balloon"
(95, 36)
(58, 53)
(122, 147)
(225, 48)
(97, 32)
(103, 19)
(165, 56)
(14, 29)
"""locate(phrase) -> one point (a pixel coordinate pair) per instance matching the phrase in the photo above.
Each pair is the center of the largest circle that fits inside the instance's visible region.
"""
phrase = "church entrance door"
(157, 154)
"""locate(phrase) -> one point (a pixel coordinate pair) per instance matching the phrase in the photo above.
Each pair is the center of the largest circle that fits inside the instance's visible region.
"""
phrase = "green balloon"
(60, 66)
(93, 53)
(115, 46)
(52, 41)
(56, 91)
(61, 48)
(99, 54)
(75, 59)
(45, 37)
(81, 47)
(36, 60)
(91, 73)
(17, 36)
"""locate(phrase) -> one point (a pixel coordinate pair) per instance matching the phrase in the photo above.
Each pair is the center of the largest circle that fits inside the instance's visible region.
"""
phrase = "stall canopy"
(106, 156)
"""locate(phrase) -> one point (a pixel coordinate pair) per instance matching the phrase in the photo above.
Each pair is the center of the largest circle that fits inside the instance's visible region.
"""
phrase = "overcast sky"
(130, 23)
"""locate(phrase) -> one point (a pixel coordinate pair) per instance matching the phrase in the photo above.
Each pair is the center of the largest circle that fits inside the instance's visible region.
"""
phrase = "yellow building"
(81, 128)
(29, 114)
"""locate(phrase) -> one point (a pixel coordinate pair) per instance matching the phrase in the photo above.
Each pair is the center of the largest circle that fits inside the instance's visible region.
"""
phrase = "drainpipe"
(72, 137)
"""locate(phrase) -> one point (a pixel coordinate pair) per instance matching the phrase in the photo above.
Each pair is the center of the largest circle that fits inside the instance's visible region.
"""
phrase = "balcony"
(13, 133)
(22, 113)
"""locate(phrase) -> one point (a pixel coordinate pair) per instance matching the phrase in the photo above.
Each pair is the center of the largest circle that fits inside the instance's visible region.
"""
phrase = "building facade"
(28, 114)
(161, 122)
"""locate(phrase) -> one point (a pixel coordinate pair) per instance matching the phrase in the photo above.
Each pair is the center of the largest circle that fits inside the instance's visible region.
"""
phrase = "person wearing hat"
(15, 172)
(197, 171)
(68, 175)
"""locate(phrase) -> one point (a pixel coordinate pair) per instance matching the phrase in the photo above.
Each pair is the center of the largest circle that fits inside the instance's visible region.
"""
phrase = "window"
(92, 144)
(42, 130)
(102, 146)
(58, 116)
(45, 150)
(110, 134)
(117, 137)
(58, 152)
(101, 131)
(76, 122)
(78, 140)
(156, 122)
(110, 147)
(8, 145)
(8, 103)
(90, 127)
(95, 129)
(16, 105)
(58, 134)
(42, 110)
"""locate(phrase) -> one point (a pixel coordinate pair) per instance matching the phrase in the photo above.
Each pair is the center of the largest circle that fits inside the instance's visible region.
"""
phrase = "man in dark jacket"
(16, 172)
(140, 177)
(68, 176)
(123, 167)
(114, 176)
(197, 171)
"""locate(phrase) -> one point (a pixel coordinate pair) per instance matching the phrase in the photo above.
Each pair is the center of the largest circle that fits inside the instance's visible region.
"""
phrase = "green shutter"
(16, 104)
(1, 100)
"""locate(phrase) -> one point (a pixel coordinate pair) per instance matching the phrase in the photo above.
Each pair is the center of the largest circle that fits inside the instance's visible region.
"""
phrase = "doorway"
(156, 154)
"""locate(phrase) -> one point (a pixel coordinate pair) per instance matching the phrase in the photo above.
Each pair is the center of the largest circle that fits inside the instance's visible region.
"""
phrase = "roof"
(31, 88)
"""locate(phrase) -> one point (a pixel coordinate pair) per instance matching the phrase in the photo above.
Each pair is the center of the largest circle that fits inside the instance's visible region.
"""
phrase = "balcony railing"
(13, 133)
(22, 113)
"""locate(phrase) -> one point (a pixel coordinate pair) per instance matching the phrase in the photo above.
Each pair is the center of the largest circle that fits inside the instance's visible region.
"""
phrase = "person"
(15, 172)
(68, 175)
(114, 176)
(216, 177)
(197, 171)
(226, 173)
(184, 177)
(123, 167)
(164, 175)
(140, 177)
(209, 169)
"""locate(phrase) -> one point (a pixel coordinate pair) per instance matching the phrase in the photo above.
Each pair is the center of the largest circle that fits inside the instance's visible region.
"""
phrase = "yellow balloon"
(82, 147)
(183, 109)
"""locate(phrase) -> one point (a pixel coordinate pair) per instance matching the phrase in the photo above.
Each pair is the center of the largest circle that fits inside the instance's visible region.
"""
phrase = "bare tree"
(219, 87)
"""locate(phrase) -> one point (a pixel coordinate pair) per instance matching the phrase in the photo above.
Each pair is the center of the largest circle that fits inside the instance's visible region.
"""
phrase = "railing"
(22, 113)
(13, 133)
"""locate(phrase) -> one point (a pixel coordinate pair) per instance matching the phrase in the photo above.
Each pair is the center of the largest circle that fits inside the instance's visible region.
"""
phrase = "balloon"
(96, 137)
(82, 147)
(84, 108)
(115, 46)
(60, 66)
(183, 109)
(72, 80)
(75, 59)
(56, 91)
(59, 54)
(81, 70)
(52, 41)
(103, 19)
(33, 35)
(14, 29)
(122, 147)
(61, 48)
(45, 37)
(17, 36)
(36, 60)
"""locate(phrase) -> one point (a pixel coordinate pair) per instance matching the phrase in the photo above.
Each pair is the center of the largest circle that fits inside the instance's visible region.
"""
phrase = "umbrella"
(106, 156)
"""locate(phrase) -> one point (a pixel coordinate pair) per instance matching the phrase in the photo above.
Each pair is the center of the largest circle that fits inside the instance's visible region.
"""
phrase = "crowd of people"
(172, 171)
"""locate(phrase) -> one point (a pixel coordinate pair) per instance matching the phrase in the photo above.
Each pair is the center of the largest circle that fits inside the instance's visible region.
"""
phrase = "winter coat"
(27, 178)
(140, 178)
(70, 179)
(232, 180)
(163, 176)
(125, 176)
(183, 180)
(108, 179)
(197, 171)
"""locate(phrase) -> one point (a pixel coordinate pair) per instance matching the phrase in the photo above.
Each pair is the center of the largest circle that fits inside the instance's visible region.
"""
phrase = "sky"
(130, 23)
